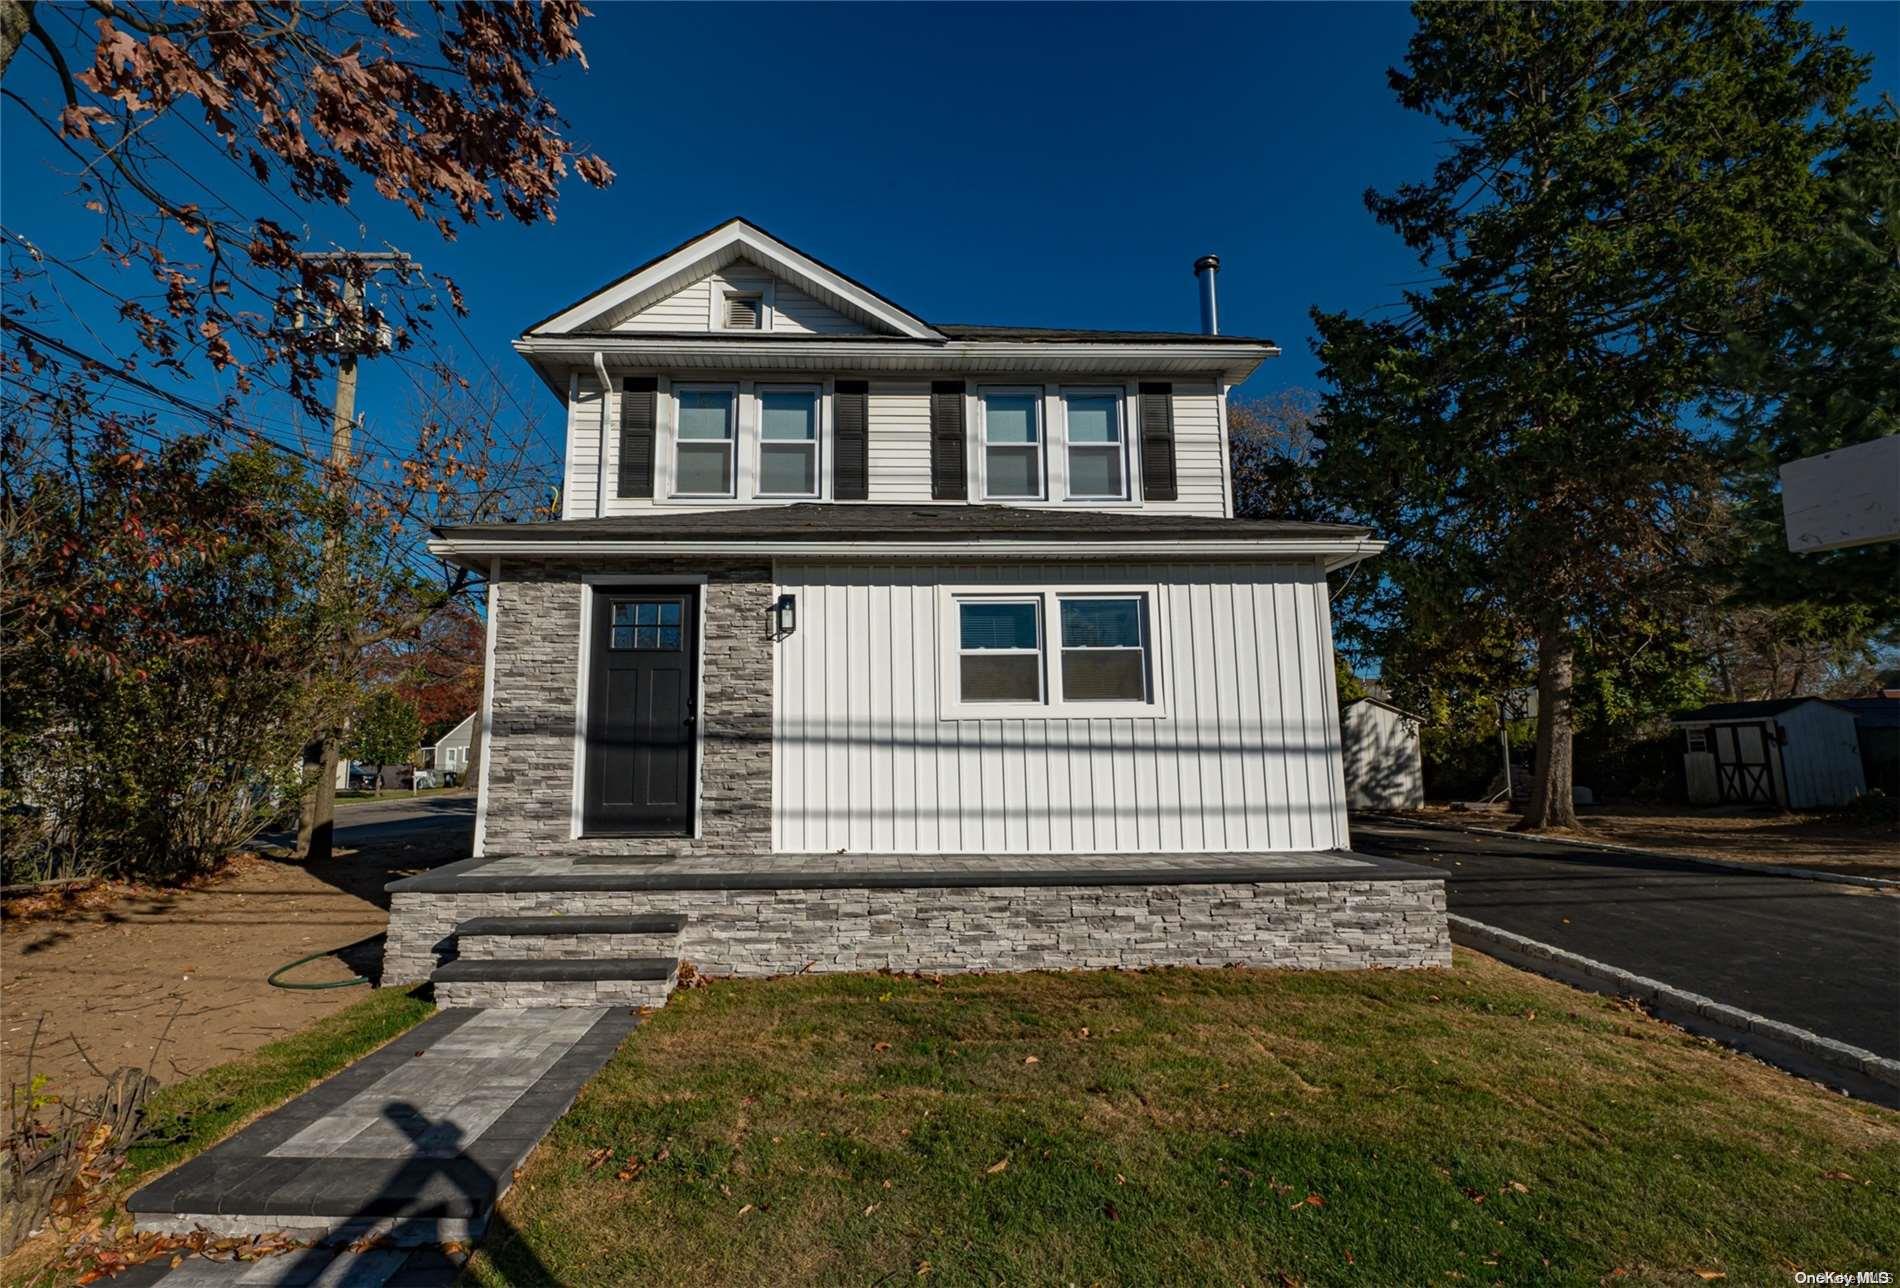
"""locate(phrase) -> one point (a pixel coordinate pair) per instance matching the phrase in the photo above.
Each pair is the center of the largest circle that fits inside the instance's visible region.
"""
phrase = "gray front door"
(642, 713)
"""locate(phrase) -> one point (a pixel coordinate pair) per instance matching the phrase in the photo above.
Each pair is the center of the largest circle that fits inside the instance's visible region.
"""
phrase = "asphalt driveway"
(1823, 957)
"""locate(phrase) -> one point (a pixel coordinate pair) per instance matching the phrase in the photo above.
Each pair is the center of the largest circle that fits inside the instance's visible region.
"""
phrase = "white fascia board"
(772, 254)
(1233, 362)
(1332, 552)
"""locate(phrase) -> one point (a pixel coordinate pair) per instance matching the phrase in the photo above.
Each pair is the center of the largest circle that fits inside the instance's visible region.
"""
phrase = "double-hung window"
(1072, 654)
(705, 430)
(1104, 648)
(1012, 444)
(788, 441)
(1096, 444)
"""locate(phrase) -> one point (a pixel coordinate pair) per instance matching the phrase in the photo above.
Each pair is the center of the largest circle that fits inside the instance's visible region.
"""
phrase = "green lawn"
(1478, 1125)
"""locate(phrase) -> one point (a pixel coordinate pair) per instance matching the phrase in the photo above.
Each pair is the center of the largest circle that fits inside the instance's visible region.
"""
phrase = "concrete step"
(517, 981)
(568, 938)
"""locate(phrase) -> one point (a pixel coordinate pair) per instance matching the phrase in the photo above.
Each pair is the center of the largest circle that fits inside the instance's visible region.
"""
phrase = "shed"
(1797, 753)
(1877, 722)
(1384, 768)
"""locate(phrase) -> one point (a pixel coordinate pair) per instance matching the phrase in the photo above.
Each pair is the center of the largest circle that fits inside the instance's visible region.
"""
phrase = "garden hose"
(275, 982)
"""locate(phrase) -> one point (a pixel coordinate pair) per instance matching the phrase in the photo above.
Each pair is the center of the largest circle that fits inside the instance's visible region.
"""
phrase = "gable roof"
(736, 238)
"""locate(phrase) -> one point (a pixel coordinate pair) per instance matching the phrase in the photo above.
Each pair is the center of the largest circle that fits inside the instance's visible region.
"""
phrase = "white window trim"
(766, 293)
(1055, 706)
(1120, 394)
(818, 427)
(1040, 395)
(673, 441)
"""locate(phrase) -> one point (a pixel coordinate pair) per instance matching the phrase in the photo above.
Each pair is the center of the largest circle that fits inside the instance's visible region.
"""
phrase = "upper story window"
(788, 441)
(1012, 444)
(1097, 444)
(705, 428)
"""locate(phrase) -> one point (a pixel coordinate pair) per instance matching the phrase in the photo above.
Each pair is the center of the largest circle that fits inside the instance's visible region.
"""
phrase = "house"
(1384, 766)
(869, 642)
(450, 752)
(1794, 753)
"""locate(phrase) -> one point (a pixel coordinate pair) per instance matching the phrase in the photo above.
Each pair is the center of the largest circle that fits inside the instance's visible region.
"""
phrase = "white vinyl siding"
(1246, 757)
(899, 447)
(692, 308)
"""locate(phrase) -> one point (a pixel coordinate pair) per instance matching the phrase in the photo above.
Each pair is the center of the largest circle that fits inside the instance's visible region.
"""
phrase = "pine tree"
(1533, 432)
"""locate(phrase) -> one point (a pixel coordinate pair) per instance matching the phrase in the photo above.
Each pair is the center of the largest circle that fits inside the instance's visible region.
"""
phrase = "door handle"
(692, 713)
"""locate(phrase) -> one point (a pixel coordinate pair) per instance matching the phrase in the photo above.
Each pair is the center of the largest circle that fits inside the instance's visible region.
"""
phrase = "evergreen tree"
(1533, 433)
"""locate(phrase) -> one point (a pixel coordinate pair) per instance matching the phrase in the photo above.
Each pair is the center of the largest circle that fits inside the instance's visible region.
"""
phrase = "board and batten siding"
(1247, 757)
(898, 452)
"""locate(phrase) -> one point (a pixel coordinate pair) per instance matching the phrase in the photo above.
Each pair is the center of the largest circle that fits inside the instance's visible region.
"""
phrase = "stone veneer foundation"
(530, 742)
(1306, 924)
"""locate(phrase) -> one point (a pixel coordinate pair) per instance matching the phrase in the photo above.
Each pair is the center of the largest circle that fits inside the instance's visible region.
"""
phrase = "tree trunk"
(1552, 804)
(316, 841)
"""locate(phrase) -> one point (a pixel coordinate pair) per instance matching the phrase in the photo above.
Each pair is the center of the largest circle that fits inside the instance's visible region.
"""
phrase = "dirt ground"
(103, 980)
(1830, 842)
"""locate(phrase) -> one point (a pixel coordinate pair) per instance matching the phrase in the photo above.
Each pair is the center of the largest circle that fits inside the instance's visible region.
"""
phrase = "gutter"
(600, 456)
(1332, 553)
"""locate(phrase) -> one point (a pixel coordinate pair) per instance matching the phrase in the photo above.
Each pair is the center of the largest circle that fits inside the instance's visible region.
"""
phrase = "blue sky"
(1036, 164)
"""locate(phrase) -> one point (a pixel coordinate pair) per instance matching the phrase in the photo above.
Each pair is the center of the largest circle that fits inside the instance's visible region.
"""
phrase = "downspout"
(606, 401)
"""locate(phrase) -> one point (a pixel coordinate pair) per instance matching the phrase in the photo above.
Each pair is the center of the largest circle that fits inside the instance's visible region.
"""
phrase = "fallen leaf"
(872, 1208)
(597, 1157)
(923, 1268)
(1710, 1274)
(1030, 1059)
(747, 1208)
(1314, 1200)
(1110, 1211)
(1836, 1175)
(1082, 1033)
(880, 1046)
(998, 1166)
(1520, 1187)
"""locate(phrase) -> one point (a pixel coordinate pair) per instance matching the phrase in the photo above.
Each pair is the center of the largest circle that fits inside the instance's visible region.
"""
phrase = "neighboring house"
(865, 641)
(1794, 753)
(451, 752)
(1383, 763)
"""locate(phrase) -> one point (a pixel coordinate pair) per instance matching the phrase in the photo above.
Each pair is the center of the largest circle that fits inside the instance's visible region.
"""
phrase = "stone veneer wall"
(1305, 924)
(530, 743)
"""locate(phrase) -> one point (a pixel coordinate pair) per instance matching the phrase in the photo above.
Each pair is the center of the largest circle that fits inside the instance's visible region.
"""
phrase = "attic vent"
(742, 313)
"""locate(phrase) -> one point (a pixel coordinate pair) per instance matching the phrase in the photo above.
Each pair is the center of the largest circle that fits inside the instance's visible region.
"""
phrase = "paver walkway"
(1822, 957)
(413, 1145)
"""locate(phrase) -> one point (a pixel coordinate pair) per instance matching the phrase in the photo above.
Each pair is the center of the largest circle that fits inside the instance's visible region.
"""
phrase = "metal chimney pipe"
(1205, 268)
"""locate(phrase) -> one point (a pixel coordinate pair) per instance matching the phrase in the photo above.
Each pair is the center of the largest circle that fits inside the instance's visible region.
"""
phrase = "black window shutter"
(639, 415)
(1157, 442)
(851, 440)
(949, 473)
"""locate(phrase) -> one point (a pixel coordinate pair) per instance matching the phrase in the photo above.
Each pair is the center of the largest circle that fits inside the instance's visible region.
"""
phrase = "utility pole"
(316, 839)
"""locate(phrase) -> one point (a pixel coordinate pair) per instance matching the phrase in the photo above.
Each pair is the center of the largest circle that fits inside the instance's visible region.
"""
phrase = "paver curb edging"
(1842, 1055)
(1721, 865)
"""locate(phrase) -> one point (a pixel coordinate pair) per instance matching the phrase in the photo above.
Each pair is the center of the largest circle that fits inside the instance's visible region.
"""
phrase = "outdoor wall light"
(784, 616)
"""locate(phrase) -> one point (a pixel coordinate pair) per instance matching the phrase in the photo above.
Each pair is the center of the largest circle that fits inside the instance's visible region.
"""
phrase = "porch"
(600, 930)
